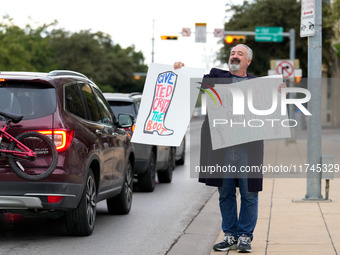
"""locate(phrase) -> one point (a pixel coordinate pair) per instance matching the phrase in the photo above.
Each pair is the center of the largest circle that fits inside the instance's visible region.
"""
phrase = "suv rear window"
(122, 107)
(28, 99)
(73, 101)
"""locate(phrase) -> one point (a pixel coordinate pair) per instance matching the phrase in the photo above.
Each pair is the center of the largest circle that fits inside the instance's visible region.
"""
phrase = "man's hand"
(282, 85)
(178, 65)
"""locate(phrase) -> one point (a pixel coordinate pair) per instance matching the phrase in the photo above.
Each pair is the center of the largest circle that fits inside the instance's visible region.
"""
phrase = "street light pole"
(314, 106)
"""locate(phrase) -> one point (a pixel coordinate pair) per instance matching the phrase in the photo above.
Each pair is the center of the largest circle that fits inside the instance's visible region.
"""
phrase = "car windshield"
(30, 100)
(122, 107)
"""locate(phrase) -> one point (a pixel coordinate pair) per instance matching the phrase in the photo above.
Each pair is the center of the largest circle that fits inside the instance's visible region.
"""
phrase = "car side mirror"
(125, 120)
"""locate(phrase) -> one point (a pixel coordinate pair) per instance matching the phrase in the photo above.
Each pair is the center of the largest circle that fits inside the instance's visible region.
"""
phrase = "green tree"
(24, 49)
(94, 54)
(334, 21)
(278, 13)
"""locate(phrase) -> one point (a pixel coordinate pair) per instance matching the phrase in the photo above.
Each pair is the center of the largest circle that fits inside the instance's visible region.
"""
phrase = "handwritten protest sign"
(163, 92)
(250, 110)
(167, 105)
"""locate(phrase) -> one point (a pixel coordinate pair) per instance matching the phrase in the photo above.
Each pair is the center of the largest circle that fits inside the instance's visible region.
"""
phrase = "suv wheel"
(147, 180)
(166, 175)
(121, 204)
(81, 220)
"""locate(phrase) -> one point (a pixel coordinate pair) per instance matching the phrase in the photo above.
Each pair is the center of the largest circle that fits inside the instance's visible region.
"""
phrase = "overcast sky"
(133, 23)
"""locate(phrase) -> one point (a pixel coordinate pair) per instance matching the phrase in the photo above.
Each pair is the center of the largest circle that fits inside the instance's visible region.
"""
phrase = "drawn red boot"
(164, 90)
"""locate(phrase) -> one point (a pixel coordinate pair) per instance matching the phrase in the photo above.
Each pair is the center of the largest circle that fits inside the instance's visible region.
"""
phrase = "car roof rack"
(66, 72)
(135, 93)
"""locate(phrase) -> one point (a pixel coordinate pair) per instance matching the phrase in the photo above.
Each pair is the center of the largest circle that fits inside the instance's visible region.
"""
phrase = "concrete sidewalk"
(287, 225)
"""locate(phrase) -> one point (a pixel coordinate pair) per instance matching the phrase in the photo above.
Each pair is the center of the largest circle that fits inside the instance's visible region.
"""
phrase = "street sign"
(307, 18)
(268, 34)
(186, 32)
(218, 32)
(297, 72)
(273, 63)
(201, 32)
(286, 68)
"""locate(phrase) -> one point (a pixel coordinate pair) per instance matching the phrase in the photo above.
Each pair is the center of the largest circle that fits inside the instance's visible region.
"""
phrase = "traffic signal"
(229, 39)
(169, 37)
(297, 79)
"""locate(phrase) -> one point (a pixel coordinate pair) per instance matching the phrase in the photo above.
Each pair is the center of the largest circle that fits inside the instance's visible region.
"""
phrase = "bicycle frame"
(25, 153)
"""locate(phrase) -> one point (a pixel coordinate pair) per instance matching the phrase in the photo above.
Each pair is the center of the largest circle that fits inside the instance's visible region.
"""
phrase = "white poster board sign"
(249, 111)
(167, 105)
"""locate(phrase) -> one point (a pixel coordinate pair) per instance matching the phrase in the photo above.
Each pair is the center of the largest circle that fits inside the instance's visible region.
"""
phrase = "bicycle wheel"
(36, 168)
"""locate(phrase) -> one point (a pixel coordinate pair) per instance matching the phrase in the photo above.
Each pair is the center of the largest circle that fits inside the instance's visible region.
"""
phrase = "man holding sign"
(238, 229)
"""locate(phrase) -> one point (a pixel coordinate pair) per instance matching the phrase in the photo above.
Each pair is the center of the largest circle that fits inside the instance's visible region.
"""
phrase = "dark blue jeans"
(244, 224)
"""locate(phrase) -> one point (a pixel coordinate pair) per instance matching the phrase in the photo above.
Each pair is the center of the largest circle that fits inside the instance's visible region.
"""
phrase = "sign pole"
(314, 121)
(292, 44)
(292, 57)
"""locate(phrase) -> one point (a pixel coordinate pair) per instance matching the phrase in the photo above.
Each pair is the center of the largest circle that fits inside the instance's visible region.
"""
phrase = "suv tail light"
(54, 199)
(62, 138)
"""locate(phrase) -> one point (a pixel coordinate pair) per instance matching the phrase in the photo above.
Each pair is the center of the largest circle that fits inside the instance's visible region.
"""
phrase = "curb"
(202, 232)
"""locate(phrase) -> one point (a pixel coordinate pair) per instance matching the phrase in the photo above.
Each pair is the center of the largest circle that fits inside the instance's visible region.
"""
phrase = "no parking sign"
(285, 68)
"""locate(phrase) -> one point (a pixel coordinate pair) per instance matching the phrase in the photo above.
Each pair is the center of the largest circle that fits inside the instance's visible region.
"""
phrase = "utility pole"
(153, 41)
(314, 106)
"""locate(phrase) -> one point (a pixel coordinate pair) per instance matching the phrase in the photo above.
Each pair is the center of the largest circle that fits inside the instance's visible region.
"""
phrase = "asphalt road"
(154, 224)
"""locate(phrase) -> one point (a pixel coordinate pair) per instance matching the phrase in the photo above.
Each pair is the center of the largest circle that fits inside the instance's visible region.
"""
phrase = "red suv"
(95, 156)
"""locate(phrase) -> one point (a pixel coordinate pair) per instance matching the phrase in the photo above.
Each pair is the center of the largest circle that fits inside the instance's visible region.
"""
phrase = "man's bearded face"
(234, 64)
